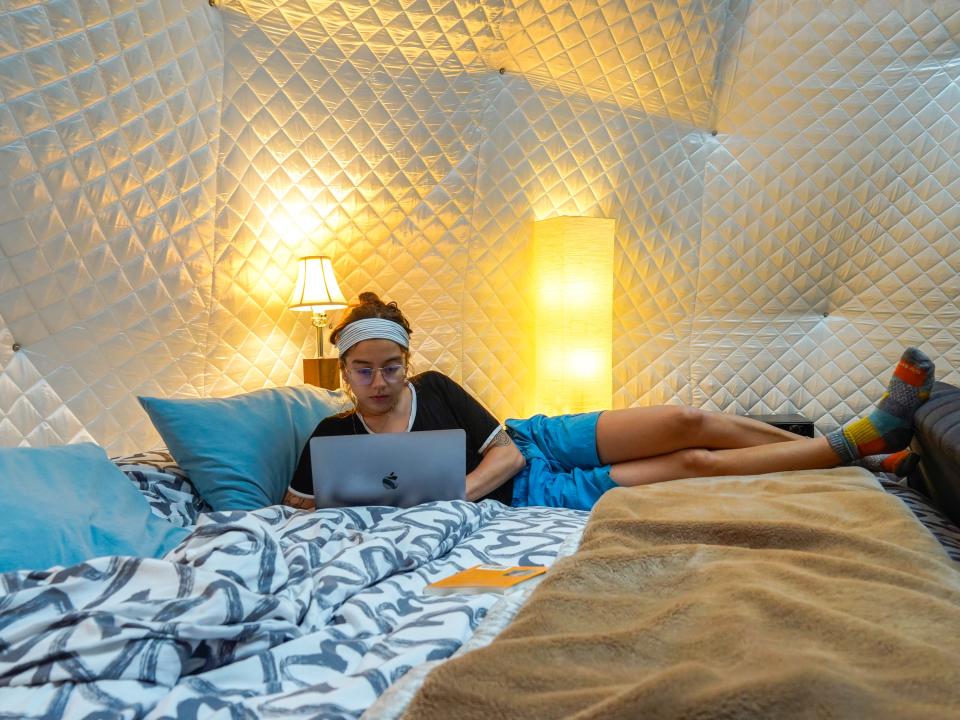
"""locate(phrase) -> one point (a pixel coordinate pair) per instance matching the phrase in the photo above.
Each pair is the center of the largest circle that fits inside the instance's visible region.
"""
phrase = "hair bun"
(369, 298)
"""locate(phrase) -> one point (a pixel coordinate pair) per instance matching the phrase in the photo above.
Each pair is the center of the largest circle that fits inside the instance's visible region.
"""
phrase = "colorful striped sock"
(890, 426)
(900, 463)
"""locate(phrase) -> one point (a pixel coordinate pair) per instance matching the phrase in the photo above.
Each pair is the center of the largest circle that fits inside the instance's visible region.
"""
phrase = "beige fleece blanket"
(791, 595)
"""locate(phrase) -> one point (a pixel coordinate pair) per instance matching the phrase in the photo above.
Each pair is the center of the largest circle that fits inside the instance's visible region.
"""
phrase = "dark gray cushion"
(937, 425)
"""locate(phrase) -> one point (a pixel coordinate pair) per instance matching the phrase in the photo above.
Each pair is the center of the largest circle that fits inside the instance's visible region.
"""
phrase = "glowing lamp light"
(317, 291)
(573, 265)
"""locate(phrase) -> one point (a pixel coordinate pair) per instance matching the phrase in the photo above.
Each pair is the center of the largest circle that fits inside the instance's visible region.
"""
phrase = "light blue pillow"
(63, 505)
(240, 452)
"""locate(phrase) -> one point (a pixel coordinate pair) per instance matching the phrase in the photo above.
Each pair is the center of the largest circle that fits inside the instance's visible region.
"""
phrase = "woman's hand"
(501, 461)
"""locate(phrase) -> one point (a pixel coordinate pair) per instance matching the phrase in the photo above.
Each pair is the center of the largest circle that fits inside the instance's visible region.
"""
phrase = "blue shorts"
(563, 469)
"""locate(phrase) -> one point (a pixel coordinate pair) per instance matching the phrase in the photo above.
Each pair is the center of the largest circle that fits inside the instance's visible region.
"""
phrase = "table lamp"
(317, 291)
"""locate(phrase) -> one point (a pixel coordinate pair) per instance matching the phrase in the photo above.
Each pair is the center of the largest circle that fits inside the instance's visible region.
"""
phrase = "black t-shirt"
(438, 404)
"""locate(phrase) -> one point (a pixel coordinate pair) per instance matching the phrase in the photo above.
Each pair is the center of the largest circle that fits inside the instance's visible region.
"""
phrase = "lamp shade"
(317, 289)
(574, 314)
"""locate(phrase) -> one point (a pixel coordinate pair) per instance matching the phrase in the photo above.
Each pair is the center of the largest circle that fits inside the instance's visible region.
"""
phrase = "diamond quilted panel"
(348, 129)
(659, 57)
(31, 412)
(107, 165)
(832, 208)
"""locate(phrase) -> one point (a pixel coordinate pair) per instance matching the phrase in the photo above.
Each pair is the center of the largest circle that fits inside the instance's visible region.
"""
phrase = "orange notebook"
(485, 578)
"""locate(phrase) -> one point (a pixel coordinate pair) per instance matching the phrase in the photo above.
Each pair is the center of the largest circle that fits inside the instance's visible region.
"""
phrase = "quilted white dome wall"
(831, 218)
(109, 119)
(163, 163)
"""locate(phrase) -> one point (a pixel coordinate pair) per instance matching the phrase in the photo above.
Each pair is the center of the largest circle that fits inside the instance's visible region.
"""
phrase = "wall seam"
(216, 9)
(732, 37)
(481, 137)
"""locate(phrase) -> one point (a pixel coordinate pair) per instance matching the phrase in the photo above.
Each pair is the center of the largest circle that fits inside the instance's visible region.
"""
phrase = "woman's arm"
(501, 461)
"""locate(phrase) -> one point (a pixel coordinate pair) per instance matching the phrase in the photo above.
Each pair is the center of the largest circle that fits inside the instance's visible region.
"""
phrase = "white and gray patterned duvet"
(267, 613)
(274, 613)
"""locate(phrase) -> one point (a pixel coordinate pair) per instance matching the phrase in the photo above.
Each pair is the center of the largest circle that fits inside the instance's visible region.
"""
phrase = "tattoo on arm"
(501, 438)
(298, 501)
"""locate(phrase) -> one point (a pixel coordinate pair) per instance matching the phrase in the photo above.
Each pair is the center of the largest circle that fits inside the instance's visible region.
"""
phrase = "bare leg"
(804, 454)
(647, 445)
(643, 432)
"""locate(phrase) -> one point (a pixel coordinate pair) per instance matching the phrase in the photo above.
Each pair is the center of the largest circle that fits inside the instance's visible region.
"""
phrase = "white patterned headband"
(371, 329)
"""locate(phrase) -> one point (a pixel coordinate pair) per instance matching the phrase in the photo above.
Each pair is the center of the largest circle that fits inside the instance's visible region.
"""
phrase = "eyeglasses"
(389, 373)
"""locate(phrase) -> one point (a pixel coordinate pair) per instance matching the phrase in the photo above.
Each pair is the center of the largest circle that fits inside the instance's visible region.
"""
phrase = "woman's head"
(373, 338)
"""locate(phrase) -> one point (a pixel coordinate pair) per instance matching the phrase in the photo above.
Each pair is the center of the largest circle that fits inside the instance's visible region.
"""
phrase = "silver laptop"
(400, 469)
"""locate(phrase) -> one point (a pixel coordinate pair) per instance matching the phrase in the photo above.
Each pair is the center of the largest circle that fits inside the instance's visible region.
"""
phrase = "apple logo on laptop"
(390, 481)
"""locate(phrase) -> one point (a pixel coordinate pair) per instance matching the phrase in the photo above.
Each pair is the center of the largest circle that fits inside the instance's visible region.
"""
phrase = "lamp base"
(322, 372)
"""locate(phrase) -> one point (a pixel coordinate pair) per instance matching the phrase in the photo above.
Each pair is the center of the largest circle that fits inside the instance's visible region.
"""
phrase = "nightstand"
(791, 422)
(322, 372)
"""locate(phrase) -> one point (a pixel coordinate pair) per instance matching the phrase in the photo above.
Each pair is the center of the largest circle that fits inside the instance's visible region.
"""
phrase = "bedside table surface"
(322, 372)
(781, 417)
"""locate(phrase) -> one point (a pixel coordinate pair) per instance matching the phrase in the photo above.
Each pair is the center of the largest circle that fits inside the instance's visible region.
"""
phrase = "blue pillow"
(240, 452)
(63, 505)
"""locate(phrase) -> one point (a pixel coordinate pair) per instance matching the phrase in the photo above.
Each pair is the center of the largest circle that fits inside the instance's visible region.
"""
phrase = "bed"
(291, 613)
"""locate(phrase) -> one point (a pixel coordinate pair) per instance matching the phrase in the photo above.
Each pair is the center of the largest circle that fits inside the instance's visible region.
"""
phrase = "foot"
(900, 463)
(889, 428)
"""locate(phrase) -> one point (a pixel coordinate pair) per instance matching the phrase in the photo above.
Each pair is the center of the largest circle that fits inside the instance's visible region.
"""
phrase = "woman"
(571, 460)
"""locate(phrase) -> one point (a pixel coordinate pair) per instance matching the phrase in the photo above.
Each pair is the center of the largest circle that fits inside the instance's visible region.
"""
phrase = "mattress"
(275, 611)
